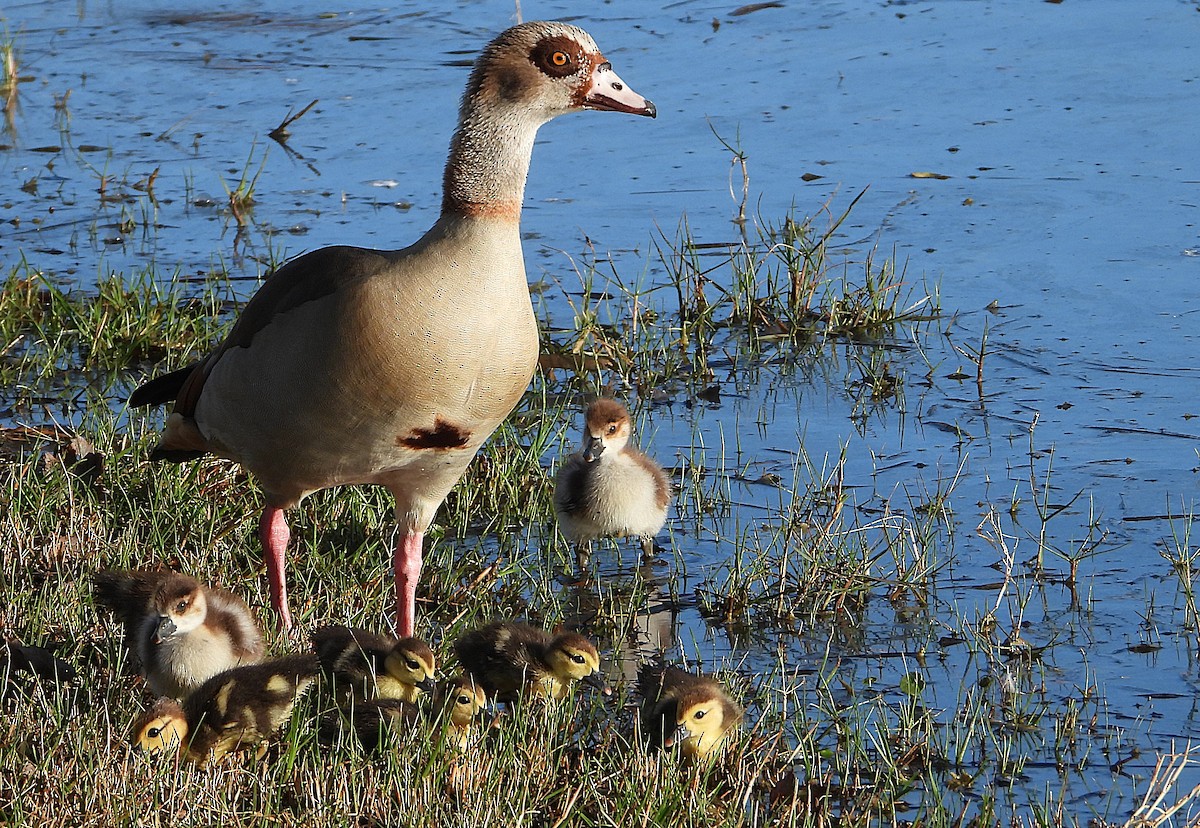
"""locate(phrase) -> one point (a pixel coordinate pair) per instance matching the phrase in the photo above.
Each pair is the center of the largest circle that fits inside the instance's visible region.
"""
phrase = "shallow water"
(1068, 135)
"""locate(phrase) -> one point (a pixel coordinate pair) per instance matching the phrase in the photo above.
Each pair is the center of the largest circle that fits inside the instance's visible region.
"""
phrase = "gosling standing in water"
(609, 488)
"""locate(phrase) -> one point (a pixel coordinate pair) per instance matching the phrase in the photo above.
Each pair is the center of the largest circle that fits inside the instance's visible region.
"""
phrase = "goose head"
(571, 658)
(546, 69)
(608, 426)
(162, 729)
(528, 75)
(703, 720)
(181, 607)
(411, 662)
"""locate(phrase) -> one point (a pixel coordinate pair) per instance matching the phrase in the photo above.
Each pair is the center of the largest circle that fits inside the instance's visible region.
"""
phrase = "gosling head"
(180, 605)
(704, 719)
(571, 657)
(607, 427)
(412, 662)
(461, 699)
(162, 729)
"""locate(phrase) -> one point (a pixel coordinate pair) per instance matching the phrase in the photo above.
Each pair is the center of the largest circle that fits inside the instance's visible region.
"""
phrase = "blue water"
(1068, 133)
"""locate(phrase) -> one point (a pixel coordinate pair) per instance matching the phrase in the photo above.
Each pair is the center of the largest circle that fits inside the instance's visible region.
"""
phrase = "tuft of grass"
(241, 195)
(57, 338)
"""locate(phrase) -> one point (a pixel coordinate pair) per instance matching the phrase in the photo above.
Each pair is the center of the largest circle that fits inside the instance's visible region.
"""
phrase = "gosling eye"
(464, 700)
(154, 732)
(612, 429)
(412, 664)
(699, 714)
(181, 606)
(577, 658)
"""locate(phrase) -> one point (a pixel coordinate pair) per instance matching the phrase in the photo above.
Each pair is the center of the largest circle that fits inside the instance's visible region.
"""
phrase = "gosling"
(182, 631)
(457, 703)
(681, 707)
(232, 711)
(609, 488)
(375, 666)
(509, 659)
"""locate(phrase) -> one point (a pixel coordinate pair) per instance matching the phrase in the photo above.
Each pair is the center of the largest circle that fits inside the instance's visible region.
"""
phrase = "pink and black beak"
(164, 629)
(609, 93)
(597, 682)
(593, 447)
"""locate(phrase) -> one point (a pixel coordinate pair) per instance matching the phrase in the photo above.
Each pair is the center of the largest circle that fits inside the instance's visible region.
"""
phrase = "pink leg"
(274, 534)
(407, 561)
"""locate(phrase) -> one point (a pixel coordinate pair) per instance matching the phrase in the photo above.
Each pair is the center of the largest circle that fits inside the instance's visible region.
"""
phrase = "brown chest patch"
(443, 435)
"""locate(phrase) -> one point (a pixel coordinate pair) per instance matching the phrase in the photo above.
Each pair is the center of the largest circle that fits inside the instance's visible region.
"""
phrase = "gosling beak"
(593, 447)
(427, 684)
(596, 680)
(609, 93)
(165, 629)
(678, 735)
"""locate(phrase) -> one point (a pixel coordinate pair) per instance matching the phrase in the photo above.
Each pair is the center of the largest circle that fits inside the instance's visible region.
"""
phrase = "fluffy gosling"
(457, 703)
(230, 712)
(375, 666)
(609, 488)
(182, 631)
(508, 660)
(694, 710)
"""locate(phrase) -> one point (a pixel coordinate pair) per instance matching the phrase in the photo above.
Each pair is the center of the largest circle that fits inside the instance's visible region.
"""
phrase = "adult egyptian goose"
(392, 367)
(182, 631)
(609, 488)
(510, 660)
(232, 711)
(374, 666)
(678, 706)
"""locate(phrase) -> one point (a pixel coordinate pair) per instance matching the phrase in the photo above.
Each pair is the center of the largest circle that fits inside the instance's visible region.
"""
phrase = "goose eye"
(612, 429)
(412, 664)
(560, 58)
(577, 658)
(464, 700)
(154, 732)
(700, 714)
(181, 606)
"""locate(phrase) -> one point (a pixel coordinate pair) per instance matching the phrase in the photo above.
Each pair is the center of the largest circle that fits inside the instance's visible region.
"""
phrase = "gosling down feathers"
(456, 704)
(374, 665)
(681, 707)
(510, 659)
(609, 488)
(392, 367)
(232, 711)
(182, 631)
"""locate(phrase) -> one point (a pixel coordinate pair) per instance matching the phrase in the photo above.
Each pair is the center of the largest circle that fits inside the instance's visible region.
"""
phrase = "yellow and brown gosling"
(457, 702)
(609, 488)
(510, 659)
(682, 707)
(182, 631)
(375, 666)
(230, 712)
